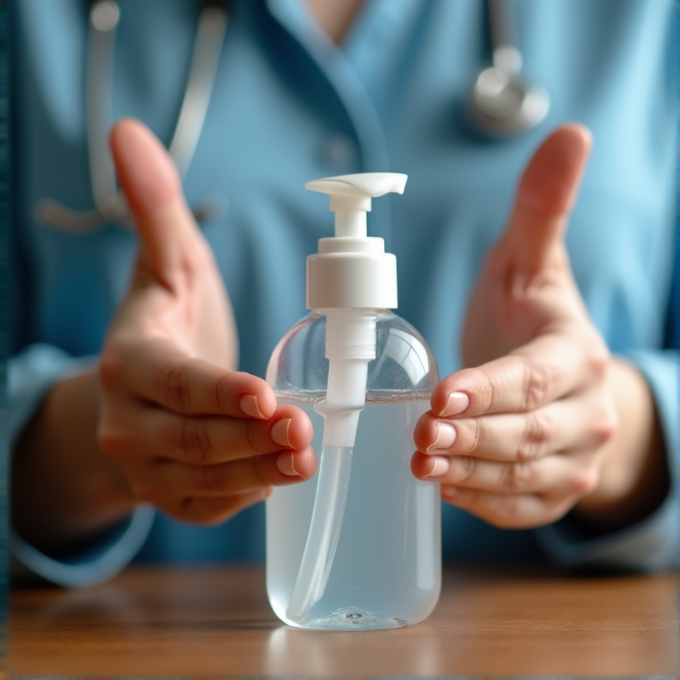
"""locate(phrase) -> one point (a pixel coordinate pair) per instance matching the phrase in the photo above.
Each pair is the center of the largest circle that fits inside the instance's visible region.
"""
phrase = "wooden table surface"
(216, 621)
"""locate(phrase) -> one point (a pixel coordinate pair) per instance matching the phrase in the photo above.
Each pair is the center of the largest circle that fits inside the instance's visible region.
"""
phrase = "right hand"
(194, 437)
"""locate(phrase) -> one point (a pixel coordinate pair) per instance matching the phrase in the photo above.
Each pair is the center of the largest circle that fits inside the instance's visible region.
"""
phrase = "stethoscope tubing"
(110, 206)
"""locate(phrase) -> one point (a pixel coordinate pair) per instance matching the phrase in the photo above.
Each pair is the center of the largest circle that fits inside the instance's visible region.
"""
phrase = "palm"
(504, 314)
(195, 314)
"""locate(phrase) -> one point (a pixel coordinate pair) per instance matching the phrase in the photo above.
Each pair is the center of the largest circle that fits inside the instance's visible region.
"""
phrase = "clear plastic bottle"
(358, 546)
(386, 570)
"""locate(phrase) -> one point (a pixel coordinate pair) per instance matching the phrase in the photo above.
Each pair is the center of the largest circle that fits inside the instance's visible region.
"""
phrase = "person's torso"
(287, 108)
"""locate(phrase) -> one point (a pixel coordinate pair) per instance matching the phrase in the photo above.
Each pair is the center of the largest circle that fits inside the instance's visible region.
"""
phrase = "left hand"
(518, 440)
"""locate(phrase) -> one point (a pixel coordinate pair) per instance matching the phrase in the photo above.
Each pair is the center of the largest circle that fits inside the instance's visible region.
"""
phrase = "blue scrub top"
(289, 106)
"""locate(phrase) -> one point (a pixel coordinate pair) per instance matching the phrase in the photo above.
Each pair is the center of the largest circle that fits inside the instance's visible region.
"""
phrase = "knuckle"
(538, 380)
(112, 439)
(214, 480)
(260, 469)
(253, 435)
(586, 481)
(113, 442)
(111, 366)
(598, 358)
(515, 477)
(463, 468)
(606, 424)
(173, 383)
(195, 442)
(222, 393)
(470, 435)
(488, 389)
(478, 434)
(539, 432)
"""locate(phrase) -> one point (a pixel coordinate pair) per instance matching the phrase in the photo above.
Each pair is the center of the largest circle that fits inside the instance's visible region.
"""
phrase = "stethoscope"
(501, 103)
(110, 205)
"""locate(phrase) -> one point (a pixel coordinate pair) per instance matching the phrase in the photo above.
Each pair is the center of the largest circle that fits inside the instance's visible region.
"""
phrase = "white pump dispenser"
(350, 279)
(352, 270)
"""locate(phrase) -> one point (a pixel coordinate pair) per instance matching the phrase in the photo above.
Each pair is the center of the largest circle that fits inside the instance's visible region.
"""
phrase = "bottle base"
(350, 618)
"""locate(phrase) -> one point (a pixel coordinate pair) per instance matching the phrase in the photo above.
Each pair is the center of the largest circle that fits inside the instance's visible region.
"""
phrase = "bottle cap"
(352, 270)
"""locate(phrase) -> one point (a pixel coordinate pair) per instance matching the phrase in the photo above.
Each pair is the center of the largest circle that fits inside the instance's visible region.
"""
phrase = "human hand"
(195, 438)
(518, 439)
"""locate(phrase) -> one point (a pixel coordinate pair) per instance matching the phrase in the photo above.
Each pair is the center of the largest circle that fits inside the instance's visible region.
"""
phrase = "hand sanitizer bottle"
(358, 546)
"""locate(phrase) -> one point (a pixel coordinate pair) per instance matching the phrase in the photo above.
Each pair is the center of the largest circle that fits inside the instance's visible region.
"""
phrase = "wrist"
(64, 488)
(634, 475)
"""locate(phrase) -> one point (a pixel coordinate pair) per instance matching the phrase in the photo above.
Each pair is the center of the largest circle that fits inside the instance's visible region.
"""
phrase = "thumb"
(149, 179)
(547, 191)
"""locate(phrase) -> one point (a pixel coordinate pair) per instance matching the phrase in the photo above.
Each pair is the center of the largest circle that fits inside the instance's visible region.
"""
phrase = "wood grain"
(216, 621)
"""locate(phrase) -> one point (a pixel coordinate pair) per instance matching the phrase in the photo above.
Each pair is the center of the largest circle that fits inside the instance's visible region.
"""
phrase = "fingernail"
(248, 404)
(440, 467)
(457, 403)
(446, 435)
(279, 432)
(285, 464)
(449, 491)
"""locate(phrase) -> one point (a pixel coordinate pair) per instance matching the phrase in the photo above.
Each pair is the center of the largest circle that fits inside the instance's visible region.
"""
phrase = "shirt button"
(339, 151)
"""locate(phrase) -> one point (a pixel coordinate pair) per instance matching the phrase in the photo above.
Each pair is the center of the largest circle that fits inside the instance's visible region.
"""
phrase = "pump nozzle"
(350, 197)
(365, 184)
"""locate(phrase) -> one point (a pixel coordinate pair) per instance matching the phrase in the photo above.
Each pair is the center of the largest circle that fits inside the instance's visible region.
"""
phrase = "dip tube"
(350, 346)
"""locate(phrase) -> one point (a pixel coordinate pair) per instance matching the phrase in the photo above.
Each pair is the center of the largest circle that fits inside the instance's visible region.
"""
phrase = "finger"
(161, 373)
(206, 440)
(546, 194)
(547, 368)
(169, 479)
(579, 423)
(215, 510)
(169, 237)
(525, 511)
(558, 475)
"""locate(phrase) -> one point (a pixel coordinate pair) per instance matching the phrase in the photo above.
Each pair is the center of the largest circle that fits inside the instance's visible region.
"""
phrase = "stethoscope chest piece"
(502, 102)
(505, 104)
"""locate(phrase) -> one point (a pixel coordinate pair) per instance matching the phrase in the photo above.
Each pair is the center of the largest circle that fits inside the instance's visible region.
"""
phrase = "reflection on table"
(216, 621)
